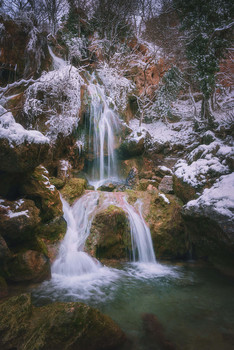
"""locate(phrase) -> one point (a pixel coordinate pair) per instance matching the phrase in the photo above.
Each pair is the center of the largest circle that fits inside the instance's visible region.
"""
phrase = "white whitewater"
(103, 126)
(72, 260)
(140, 235)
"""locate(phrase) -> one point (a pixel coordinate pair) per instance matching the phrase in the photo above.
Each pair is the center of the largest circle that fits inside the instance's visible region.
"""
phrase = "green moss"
(58, 183)
(56, 326)
(132, 196)
(54, 230)
(183, 190)
(73, 189)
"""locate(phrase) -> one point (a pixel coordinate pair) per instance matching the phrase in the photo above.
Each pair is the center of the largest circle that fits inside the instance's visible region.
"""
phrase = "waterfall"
(72, 260)
(103, 126)
(140, 235)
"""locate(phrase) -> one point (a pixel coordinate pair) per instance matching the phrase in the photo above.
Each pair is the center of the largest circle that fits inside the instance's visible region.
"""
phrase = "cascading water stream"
(104, 124)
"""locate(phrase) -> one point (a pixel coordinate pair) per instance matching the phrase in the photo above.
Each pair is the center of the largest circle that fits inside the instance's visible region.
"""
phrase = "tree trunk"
(206, 113)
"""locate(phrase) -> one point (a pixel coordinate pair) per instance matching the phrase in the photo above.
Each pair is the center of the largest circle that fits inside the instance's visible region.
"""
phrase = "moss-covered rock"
(110, 234)
(183, 190)
(38, 187)
(28, 266)
(56, 326)
(58, 183)
(53, 230)
(18, 220)
(165, 221)
(73, 189)
(144, 183)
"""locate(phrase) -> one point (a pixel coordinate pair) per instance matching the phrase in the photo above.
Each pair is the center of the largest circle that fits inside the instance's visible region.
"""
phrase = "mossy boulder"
(144, 183)
(18, 220)
(166, 223)
(58, 183)
(54, 230)
(73, 189)
(183, 190)
(38, 187)
(28, 265)
(110, 234)
(56, 326)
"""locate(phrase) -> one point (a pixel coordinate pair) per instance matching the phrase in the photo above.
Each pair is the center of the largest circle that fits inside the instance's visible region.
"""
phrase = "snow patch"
(164, 198)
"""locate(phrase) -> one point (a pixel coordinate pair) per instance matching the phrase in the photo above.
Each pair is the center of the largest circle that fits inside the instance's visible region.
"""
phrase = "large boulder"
(20, 150)
(134, 145)
(56, 326)
(18, 220)
(110, 234)
(38, 188)
(210, 222)
(28, 265)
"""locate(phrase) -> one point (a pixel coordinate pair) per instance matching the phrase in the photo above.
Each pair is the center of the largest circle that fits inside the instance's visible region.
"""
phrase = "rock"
(110, 234)
(134, 145)
(108, 187)
(28, 266)
(3, 288)
(53, 230)
(18, 220)
(23, 157)
(56, 326)
(144, 183)
(58, 183)
(4, 250)
(73, 189)
(38, 188)
(166, 185)
(132, 178)
(183, 190)
(155, 333)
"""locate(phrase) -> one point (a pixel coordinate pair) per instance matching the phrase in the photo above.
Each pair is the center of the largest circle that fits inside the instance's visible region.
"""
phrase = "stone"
(64, 170)
(73, 189)
(144, 183)
(58, 183)
(38, 188)
(132, 178)
(166, 185)
(18, 220)
(28, 265)
(108, 187)
(110, 234)
(23, 157)
(4, 250)
(134, 145)
(183, 190)
(56, 326)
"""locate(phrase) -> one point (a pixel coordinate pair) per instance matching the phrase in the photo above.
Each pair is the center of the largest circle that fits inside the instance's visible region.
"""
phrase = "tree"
(207, 33)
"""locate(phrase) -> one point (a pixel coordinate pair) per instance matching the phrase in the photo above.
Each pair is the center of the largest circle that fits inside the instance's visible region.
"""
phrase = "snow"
(165, 169)
(17, 204)
(60, 101)
(160, 132)
(164, 198)
(16, 134)
(220, 197)
(116, 86)
(11, 214)
(197, 172)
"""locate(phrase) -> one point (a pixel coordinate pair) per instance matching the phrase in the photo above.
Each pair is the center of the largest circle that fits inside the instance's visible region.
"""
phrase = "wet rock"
(54, 230)
(73, 189)
(110, 234)
(166, 185)
(38, 188)
(18, 220)
(108, 187)
(132, 178)
(155, 333)
(56, 326)
(28, 266)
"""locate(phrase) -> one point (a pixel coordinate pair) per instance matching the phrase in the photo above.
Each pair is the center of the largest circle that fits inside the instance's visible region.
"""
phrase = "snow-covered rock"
(20, 150)
(216, 203)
